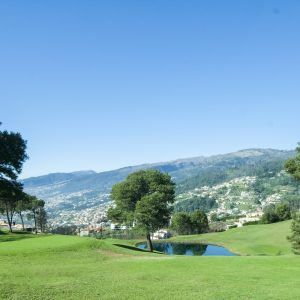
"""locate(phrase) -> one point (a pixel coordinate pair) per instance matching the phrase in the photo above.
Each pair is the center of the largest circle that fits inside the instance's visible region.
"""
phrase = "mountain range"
(82, 197)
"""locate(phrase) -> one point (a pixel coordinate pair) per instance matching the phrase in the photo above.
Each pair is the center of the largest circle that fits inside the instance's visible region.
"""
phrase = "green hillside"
(80, 197)
(237, 190)
(66, 267)
(267, 239)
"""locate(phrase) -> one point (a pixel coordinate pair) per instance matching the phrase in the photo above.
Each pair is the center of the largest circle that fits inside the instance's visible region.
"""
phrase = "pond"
(189, 249)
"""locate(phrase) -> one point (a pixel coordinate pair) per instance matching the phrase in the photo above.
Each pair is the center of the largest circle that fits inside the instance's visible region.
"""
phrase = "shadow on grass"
(6, 236)
(133, 248)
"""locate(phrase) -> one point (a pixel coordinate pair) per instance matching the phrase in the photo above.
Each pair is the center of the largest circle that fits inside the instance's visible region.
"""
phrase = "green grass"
(249, 240)
(65, 267)
(5, 236)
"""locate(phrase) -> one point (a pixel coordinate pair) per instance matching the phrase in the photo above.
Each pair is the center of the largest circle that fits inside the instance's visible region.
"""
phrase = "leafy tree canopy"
(294, 238)
(292, 165)
(152, 213)
(142, 183)
(10, 193)
(181, 223)
(190, 223)
(199, 222)
(12, 154)
(143, 199)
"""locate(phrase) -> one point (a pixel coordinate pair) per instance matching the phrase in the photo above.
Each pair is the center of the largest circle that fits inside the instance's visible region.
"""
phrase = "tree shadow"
(132, 248)
(6, 236)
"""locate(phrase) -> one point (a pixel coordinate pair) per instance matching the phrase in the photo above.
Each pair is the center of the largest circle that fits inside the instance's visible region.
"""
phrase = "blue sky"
(105, 84)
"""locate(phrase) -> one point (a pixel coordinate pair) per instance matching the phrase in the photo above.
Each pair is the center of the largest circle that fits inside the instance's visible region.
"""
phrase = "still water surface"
(189, 249)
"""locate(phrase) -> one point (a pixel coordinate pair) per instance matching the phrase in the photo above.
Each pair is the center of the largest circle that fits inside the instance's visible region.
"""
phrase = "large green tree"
(292, 166)
(199, 222)
(152, 212)
(41, 218)
(23, 205)
(189, 223)
(269, 215)
(283, 212)
(145, 200)
(294, 237)
(36, 207)
(182, 223)
(10, 193)
(12, 154)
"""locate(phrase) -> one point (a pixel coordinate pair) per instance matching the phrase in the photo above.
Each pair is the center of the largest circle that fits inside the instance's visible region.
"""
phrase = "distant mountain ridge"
(85, 193)
(53, 178)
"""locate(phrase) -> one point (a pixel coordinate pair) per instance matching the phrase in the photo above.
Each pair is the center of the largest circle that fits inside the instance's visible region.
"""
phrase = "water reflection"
(188, 249)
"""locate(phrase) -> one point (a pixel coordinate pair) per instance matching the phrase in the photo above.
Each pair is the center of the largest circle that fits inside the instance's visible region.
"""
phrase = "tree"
(269, 215)
(12, 154)
(181, 223)
(23, 204)
(115, 214)
(199, 222)
(189, 223)
(10, 193)
(151, 214)
(294, 238)
(273, 214)
(214, 217)
(41, 218)
(35, 207)
(143, 199)
(292, 166)
(283, 211)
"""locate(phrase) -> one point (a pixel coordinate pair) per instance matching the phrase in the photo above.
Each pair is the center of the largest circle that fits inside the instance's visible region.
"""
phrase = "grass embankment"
(64, 267)
(249, 240)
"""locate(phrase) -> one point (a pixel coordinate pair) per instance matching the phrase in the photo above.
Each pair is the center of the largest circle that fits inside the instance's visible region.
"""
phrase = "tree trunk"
(11, 217)
(41, 225)
(20, 213)
(8, 218)
(149, 242)
(34, 217)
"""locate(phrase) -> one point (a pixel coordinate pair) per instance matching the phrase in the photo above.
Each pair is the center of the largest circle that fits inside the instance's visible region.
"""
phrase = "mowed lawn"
(268, 239)
(65, 267)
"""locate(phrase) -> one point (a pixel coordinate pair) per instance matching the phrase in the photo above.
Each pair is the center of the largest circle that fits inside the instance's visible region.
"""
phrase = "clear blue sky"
(105, 84)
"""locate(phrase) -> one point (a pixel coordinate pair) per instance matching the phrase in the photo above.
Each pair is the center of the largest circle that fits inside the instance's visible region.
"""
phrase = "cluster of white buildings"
(88, 216)
(233, 198)
(250, 217)
(272, 199)
(87, 231)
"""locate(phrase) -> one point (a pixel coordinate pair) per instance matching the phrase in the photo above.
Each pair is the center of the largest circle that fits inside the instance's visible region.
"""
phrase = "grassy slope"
(249, 240)
(64, 267)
